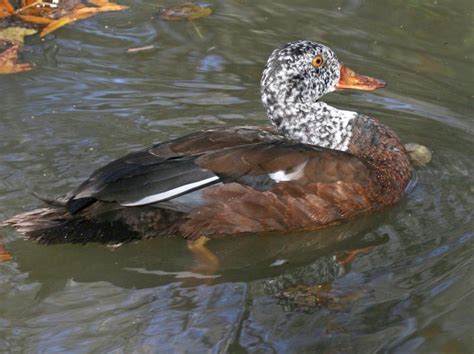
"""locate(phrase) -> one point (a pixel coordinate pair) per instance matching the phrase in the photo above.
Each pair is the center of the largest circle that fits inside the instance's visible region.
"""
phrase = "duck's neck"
(316, 124)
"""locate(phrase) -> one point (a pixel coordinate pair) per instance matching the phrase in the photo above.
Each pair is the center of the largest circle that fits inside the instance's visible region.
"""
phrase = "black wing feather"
(136, 176)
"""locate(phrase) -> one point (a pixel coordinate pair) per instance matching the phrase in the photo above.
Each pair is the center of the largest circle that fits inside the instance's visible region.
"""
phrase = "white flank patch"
(283, 176)
(170, 193)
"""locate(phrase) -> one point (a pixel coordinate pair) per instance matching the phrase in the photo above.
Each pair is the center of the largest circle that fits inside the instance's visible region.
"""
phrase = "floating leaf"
(54, 25)
(57, 13)
(35, 19)
(100, 3)
(187, 11)
(6, 9)
(9, 61)
(16, 34)
(48, 8)
(112, 7)
(4, 255)
(80, 14)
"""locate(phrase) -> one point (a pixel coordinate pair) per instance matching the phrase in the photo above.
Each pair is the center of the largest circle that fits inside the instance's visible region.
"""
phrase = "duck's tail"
(33, 224)
(54, 224)
(101, 222)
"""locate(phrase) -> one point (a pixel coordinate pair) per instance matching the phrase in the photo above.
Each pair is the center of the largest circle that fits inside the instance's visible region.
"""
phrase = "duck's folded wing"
(144, 178)
(163, 171)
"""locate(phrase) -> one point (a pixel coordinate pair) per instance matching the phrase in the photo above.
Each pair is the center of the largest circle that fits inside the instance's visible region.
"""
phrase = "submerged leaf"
(187, 11)
(9, 61)
(16, 34)
(4, 255)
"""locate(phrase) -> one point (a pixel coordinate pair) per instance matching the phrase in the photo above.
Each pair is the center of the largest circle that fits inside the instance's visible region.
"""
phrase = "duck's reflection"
(311, 287)
(311, 259)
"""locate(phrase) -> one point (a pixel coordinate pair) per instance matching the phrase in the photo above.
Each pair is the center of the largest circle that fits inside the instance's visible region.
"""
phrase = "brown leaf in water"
(4, 255)
(16, 34)
(187, 11)
(101, 3)
(9, 61)
(6, 9)
(56, 14)
(54, 25)
(112, 7)
(80, 14)
(38, 20)
(47, 8)
(322, 295)
(34, 8)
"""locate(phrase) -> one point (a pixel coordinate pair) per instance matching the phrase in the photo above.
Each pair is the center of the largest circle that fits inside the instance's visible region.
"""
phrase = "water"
(410, 287)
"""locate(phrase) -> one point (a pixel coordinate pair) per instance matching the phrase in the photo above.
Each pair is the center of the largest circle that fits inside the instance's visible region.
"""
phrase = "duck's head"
(300, 73)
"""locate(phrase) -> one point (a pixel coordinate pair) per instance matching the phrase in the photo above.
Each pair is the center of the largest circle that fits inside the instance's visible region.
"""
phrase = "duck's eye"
(317, 61)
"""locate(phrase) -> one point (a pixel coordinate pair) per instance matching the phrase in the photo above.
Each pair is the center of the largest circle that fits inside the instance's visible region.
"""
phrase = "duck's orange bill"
(350, 80)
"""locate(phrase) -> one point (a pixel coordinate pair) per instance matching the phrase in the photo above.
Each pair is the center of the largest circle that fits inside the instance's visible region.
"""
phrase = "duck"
(313, 166)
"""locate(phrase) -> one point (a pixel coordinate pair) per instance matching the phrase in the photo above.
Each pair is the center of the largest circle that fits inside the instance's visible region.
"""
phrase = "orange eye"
(317, 61)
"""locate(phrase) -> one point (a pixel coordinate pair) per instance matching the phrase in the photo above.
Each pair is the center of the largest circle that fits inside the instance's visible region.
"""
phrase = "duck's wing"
(163, 171)
(173, 177)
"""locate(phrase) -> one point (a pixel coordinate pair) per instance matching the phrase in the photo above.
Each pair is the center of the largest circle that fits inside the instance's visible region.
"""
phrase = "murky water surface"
(409, 287)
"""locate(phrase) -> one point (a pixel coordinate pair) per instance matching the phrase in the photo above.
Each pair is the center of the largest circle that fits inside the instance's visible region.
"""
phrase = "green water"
(409, 290)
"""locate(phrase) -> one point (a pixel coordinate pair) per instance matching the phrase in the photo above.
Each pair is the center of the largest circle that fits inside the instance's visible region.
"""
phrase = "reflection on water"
(397, 281)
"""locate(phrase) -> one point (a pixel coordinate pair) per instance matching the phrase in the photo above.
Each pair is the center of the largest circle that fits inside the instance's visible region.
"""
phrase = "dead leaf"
(100, 3)
(54, 25)
(35, 19)
(109, 7)
(33, 8)
(6, 9)
(57, 13)
(48, 8)
(140, 49)
(9, 61)
(80, 14)
(5, 256)
(41, 8)
(187, 11)
(16, 34)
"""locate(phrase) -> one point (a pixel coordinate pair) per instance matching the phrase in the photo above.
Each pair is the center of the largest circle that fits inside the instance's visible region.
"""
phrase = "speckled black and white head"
(301, 71)
(295, 77)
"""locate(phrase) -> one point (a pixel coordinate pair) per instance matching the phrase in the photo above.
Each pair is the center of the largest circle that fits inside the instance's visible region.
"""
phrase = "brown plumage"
(315, 167)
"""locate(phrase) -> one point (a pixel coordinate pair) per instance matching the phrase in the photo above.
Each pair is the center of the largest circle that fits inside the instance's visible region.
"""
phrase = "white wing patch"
(170, 193)
(291, 175)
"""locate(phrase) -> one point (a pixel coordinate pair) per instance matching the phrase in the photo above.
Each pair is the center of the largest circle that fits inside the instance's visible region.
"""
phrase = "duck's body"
(315, 166)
